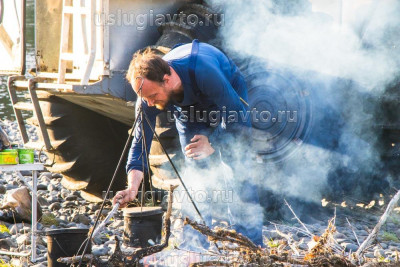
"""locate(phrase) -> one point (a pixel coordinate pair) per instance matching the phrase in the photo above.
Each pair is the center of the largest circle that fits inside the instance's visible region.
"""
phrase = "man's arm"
(137, 156)
(213, 83)
(137, 152)
(135, 178)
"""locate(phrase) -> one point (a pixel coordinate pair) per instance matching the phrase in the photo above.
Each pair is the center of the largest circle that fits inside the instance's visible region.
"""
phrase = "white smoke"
(314, 40)
(351, 40)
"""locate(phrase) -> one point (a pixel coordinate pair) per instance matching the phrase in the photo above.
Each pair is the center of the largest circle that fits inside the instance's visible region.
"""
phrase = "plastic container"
(65, 243)
(26, 155)
(9, 156)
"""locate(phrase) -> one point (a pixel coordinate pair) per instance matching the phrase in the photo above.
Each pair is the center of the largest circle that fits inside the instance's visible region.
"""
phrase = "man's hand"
(124, 197)
(199, 148)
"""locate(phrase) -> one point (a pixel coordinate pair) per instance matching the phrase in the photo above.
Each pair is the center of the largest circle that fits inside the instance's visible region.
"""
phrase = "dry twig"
(372, 236)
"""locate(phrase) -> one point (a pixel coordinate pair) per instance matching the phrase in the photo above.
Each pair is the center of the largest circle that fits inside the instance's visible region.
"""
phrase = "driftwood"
(118, 258)
(222, 235)
(372, 236)
(87, 258)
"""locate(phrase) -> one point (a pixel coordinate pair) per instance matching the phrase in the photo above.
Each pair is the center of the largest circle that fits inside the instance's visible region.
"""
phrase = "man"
(195, 79)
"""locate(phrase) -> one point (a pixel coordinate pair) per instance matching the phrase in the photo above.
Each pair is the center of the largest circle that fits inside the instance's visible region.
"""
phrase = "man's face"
(154, 93)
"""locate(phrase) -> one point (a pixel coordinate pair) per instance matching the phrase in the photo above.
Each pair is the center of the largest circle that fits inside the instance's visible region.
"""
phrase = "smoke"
(331, 68)
(344, 61)
(291, 33)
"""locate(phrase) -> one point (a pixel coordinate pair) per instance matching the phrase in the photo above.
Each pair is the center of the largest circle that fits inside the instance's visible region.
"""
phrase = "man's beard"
(162, 105)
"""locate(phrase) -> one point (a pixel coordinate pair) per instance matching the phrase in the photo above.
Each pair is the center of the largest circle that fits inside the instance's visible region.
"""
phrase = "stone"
(42, 201)
(117, 223)
(4, 235)
(103, 212)
(26, 173)
(362, 233)
(39, 226)
(349, 247)
(100, 250)
(397, 232)
(21, 201)
(301, 234)
(57, 175)
(11, 187)
(71, 198)
(3, 189)
(339, 236)
(55, 206)
(7, 243)
(93, 207)
(14, 228)
(82, 226)
(53, 199)
(80, 218)
(369, 255)
(41, 186)
(25, 230)
(303, 246)
(64, 194)
(379, 253)
(63, 218)
(23, 239)
(48, 175)
(52, 187)
(68, 204)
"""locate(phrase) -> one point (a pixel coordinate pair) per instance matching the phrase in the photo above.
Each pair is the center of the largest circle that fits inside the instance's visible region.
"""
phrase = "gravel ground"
(63, 208)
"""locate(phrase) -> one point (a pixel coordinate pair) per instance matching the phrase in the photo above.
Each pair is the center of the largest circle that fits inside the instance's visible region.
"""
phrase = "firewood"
(222, 235)
(93, 260)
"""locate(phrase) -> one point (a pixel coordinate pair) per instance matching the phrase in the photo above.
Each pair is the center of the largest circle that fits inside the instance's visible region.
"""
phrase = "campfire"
(235, 249)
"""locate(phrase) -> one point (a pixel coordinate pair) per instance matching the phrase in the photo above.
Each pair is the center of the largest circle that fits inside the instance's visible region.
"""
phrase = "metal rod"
(109, 187)
(34, 215)
(143, 146)
(147, 161)
(173, 166)
(177, 174)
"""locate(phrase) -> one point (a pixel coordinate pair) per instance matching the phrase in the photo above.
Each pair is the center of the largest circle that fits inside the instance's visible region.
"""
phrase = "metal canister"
(26, 155)
(142, 225)
(9, 156)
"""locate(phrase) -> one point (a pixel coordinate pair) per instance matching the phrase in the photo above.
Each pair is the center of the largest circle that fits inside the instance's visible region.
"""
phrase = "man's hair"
(149, 65)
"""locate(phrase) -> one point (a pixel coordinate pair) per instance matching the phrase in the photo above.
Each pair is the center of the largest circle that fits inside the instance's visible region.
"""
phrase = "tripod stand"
(143, 116)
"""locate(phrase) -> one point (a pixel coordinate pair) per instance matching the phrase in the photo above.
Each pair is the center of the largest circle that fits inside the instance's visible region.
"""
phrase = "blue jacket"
(220, 85)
